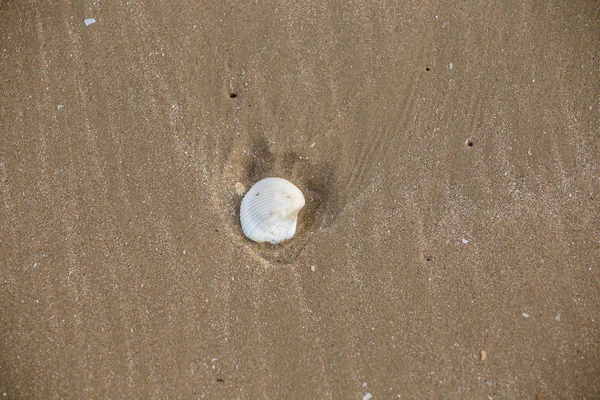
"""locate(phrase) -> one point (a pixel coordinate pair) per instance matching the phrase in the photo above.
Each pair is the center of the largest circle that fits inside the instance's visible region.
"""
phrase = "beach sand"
(449, 153)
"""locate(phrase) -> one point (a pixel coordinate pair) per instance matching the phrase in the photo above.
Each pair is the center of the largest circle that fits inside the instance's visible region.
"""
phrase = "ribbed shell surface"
(269, 211)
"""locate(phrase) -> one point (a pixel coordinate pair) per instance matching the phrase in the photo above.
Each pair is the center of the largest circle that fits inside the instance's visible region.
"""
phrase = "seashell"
(269, 210)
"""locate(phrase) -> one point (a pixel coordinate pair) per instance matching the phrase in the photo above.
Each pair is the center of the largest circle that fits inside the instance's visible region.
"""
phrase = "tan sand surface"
(449, 152)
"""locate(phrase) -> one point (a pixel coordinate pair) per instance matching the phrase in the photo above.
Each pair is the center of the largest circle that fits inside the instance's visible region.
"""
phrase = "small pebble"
(367, 396)
(240, 188)
(526, 315)
(312, 268)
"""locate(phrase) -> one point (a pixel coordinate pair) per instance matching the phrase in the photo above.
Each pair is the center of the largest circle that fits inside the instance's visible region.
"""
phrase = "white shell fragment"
(89, 21)
(269, 210)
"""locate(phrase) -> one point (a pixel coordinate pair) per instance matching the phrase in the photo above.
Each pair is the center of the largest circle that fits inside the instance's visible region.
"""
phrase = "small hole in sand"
(232, 95)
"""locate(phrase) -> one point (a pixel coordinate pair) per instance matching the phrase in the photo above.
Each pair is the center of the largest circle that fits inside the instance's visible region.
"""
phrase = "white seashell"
(269, 210)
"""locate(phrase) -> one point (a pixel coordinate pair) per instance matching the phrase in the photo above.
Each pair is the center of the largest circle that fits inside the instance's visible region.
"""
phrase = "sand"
(449, 153)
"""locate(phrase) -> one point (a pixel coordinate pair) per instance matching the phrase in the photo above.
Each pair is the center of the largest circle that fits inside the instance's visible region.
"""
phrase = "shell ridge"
(280, 230)
(257, 207)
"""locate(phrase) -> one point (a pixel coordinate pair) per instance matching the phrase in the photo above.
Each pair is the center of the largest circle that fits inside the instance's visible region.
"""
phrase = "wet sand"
(450, 157)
